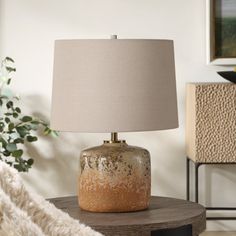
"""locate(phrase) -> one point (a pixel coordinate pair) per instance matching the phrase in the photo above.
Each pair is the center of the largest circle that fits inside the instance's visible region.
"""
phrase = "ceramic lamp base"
(115, 177)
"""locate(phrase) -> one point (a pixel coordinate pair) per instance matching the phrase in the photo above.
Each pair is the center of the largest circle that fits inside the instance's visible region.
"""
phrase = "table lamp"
(114, 85)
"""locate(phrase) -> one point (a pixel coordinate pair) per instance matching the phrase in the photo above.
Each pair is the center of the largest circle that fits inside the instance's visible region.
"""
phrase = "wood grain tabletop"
(163, 213)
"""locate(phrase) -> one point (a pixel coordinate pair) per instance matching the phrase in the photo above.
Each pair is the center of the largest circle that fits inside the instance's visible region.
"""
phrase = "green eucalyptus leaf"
(20, 167)
(31, 138)
(19, 140)
(18, 110)
(6, 153)
(7, 120)
(22, 131)
(28, 127)
(10, 69)
(11, 147)
(15, 115)
(26, 118)
(46, 131)
(30, 162)
(3, 142)
(11, 126)
(34, 126)
(8, 81)
(2, 125)
(35, 122)
(9, 104)
(14, 135)
(17, 153)
(9, 59)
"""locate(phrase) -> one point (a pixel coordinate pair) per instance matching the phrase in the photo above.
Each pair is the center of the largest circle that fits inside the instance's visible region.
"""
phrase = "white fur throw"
(23, 213)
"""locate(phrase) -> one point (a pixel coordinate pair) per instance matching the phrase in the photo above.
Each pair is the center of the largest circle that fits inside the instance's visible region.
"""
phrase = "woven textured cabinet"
(211, 122)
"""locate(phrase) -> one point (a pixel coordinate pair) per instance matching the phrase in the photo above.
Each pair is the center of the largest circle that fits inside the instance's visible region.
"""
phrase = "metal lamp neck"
(114, 139)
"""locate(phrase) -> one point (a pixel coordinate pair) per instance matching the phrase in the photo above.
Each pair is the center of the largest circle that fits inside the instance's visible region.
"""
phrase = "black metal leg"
(196, 181)
(196, 167)
(187, 179)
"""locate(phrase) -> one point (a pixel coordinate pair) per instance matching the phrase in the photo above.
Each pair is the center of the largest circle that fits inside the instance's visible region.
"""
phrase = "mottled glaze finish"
(115, 177)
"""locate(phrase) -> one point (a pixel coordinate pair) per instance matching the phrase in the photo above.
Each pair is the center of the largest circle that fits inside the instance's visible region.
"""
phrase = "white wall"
(28, 29)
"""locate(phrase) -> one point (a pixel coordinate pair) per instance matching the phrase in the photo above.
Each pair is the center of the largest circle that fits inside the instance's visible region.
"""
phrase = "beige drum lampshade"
(106, 85)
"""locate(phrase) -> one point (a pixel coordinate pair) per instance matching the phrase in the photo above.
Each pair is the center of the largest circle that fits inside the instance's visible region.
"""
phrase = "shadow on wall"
(168, 161)
(55, 170)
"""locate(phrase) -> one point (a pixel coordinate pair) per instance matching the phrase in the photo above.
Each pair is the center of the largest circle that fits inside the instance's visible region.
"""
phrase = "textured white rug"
(23, 213)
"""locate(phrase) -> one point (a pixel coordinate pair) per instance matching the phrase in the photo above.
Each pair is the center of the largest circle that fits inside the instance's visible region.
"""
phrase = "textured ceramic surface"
(115, 177)
(211, 122)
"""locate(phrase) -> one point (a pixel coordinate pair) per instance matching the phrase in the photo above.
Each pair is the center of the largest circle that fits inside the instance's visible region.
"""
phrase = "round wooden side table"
(164, 217)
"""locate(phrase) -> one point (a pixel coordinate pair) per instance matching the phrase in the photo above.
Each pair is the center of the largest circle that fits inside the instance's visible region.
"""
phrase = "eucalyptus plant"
(16, 128)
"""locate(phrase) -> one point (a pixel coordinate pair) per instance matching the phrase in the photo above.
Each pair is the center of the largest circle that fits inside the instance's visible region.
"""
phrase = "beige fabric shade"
(108, 85)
